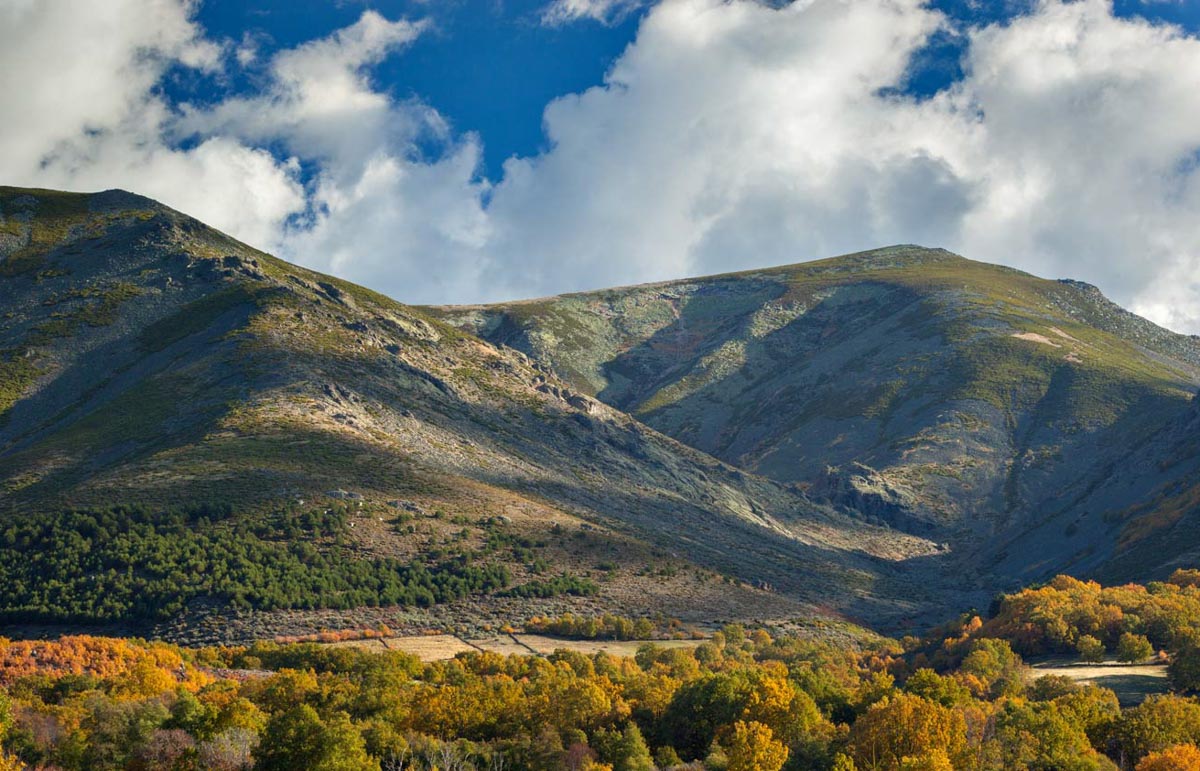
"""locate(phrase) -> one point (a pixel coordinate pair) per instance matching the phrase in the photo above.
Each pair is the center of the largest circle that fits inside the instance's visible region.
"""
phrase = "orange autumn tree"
(1180, 757)
(139, 668)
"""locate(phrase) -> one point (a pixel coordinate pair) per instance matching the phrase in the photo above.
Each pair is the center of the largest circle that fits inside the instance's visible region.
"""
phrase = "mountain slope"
(967, 402)
(147, 359)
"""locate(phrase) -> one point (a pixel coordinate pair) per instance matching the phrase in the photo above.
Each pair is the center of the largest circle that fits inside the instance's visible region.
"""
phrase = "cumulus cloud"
(81, 112)
(735, 135)
(1085, 157)
(319, 99)
(377, 210)
(728, 135)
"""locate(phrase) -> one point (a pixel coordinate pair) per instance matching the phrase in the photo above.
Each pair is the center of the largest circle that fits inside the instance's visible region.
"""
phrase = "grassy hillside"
(967, 401)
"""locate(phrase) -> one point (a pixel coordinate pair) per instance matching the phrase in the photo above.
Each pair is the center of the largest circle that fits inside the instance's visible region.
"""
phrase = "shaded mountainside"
(148, 359)
(1033, 424)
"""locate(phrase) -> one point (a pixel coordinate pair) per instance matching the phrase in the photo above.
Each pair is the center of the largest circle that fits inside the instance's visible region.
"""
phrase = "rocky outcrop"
(862, 491)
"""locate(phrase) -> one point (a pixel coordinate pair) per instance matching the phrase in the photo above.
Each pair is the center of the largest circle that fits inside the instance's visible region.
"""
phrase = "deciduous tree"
(752, 747)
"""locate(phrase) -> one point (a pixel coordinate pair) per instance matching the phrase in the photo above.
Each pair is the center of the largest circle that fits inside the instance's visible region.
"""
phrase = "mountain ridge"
(886, 436)
(940, 395)
(150, 360)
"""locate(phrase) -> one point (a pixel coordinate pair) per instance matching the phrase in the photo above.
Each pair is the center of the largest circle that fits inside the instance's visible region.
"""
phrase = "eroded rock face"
(862, 490)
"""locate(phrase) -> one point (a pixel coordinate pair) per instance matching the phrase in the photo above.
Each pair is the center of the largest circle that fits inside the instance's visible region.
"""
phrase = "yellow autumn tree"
(752, 747)
(934, 760)
(789, 712)
(906, 726)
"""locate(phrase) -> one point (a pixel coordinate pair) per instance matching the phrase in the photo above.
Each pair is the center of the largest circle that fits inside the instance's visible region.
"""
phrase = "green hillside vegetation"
(129, 563)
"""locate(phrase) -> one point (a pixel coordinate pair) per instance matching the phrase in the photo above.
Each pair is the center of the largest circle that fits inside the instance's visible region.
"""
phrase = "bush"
(1134, 647)
(553, 587)
(1184, 669)
(606, 627)
(1090, 649)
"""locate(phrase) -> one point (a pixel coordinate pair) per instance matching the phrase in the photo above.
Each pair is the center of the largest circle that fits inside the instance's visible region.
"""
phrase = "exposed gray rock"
(861, 489)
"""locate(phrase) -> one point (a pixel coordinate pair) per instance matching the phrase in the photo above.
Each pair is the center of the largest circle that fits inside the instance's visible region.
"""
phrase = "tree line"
(130, 562)
(960, 697)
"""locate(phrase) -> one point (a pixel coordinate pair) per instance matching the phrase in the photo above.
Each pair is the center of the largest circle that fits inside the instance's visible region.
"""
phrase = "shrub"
(1090, 649)
(1134, 647)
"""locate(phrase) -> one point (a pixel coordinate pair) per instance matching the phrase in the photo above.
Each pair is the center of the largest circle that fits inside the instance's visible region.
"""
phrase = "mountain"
(1033, 425)
(216, 393)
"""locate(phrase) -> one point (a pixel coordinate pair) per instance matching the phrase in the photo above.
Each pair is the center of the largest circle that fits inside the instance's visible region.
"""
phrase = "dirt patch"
(505, 645)
(428, 647)
(1034, 337)
(1063, 334)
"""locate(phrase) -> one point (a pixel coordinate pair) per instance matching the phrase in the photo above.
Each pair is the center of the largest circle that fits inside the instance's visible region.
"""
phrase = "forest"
(960, 697)
(133, 563)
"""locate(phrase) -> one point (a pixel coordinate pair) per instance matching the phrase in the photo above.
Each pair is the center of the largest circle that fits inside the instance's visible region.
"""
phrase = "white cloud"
(604, 11)
(81, 112)
(1085, 159)
(728, 135)
(734, 135)
(320, 101)
(416, 230)
(377, 211)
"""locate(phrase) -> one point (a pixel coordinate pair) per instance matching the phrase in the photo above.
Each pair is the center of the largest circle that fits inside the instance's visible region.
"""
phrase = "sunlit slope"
(941, 395)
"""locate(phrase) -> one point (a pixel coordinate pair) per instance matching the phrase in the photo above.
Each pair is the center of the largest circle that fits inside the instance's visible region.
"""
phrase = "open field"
(1131, 682)
(437, 647)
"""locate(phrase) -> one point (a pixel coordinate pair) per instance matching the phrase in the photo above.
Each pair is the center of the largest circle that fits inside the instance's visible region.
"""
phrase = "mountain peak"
(17, 200)
(897, 256)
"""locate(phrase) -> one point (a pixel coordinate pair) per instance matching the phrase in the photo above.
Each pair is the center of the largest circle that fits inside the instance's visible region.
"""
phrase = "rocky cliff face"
(862, 491)
(968, 402)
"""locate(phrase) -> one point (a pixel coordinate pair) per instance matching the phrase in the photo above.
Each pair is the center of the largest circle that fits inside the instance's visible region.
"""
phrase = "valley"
(767, 518)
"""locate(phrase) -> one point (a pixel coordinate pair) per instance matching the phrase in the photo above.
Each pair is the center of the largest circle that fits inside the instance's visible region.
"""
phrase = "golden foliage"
(1180, 757)
(752, 747)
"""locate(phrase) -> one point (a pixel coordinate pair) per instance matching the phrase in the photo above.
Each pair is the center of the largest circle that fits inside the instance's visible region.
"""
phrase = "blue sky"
(456, 151)
(491, 67)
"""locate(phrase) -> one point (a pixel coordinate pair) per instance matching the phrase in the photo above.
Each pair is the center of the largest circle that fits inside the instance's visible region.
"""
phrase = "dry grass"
(438, 647)
(1131, 682)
